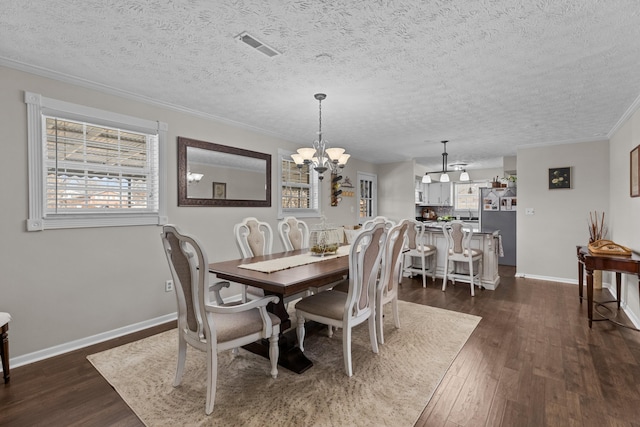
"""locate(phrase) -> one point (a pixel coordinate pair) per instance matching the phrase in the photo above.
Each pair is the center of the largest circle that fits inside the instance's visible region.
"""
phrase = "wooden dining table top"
(285, 282)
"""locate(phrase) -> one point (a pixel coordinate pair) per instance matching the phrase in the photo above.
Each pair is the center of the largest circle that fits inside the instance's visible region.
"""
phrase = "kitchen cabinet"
(439, 193)
(420, 191)
(484, 241)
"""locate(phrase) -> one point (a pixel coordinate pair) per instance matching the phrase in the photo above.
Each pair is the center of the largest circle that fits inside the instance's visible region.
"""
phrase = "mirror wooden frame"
(183, 200)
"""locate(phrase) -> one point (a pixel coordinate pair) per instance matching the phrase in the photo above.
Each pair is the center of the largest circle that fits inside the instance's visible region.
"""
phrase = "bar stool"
(458, 236)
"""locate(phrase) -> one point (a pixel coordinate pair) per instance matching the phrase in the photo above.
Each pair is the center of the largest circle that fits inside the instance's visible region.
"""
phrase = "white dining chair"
(294, 233)
(253, 238)
(368, 225)
(391, 276)
(209, 327)
(348, 309)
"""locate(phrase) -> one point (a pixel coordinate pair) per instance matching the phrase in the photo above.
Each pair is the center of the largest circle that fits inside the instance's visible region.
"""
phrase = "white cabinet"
(439, 193)
(420, 191)
(486, 242)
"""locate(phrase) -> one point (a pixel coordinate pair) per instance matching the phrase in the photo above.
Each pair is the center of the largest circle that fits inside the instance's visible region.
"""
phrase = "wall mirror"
(218, 175)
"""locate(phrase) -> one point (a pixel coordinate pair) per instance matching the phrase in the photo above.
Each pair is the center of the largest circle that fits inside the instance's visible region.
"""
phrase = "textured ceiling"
(487, 75)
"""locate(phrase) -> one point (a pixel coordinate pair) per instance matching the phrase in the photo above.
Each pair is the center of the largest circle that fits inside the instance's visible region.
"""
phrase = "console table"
(618, 264)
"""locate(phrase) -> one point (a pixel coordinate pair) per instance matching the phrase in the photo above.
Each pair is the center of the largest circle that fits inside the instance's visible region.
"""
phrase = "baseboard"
(85, 342)
(546, 278)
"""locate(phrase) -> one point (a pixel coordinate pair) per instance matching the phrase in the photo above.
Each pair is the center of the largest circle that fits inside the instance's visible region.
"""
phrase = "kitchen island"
(485, 240)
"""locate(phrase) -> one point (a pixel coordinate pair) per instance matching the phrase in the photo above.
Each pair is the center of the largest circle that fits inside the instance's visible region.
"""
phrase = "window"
(367, 197)
(298, 188)
(466, 195)
(92, 168)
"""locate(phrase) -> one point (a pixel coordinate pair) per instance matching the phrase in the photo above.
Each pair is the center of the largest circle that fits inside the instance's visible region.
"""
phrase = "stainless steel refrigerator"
(498, 212)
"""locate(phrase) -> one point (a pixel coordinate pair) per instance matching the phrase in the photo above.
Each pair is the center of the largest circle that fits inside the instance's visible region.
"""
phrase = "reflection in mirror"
(218, 175)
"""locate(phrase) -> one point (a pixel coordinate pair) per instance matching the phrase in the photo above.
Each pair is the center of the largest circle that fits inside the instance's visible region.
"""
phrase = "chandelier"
(444, 177)
(319, 157)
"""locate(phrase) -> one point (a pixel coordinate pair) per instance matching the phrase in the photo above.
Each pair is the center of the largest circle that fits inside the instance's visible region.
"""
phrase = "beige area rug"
(391, 388)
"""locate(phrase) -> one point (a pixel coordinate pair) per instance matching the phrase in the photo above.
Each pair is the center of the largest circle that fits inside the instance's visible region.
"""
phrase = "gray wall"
(61, 286)
(547, 240)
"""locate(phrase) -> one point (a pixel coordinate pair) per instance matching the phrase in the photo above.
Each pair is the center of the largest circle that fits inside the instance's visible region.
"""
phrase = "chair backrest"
(392, 257)
(294, 233)
(415, 233)
(364, 265)
(185, 255)
(458, 236)
(253, 237)
(368, 225)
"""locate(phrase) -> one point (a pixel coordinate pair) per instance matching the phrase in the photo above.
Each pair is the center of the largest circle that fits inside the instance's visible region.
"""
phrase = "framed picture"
(635, 172)
(559, 178)
(219, 190)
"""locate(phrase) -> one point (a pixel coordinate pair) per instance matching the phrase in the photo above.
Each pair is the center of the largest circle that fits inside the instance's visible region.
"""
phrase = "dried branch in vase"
(597, 228)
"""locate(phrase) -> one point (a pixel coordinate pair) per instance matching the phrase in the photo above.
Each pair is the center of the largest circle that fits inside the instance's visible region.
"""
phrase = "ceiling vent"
(257, 44)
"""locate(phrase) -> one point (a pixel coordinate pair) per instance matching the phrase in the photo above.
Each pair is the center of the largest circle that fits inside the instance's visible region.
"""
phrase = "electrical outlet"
(168, 286)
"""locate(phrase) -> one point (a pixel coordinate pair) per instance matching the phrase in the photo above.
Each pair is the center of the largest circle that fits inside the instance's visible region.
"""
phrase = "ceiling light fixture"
(319, 157)
(444, 177)
(193, 177)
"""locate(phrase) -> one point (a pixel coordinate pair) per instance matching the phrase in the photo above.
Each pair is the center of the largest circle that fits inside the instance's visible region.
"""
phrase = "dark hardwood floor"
(532, 361)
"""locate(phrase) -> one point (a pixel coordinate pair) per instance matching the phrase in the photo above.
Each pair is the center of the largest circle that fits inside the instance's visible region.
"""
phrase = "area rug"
(390, 388)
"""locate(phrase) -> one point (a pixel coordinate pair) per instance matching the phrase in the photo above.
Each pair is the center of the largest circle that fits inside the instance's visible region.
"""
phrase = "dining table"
(285, 274)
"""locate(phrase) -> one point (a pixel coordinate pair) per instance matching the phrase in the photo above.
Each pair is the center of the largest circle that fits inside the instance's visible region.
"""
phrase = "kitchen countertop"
(437, 226)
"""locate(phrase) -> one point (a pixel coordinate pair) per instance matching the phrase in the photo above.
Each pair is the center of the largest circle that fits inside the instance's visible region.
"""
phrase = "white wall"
(65, 285)
(625, 210)
(547, 240)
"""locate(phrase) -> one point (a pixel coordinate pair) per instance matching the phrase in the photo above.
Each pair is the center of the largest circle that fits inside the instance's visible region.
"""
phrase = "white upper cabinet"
(439, 193)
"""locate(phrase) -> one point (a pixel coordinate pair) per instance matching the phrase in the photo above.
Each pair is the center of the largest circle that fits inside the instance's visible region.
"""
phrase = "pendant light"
(444, 174)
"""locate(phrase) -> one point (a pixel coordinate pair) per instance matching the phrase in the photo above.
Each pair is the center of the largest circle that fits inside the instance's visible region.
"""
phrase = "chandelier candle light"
(319, 156)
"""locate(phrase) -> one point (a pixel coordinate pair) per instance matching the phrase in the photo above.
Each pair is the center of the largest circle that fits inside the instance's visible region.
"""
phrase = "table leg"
(618, 287)
(590, 296)
(4, 352)
(291, 357)
(580, 277)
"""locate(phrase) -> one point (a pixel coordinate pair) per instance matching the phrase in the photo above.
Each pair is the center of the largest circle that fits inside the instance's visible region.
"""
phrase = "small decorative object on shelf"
(510, 180)
(607, 247)
(597, 244)
(597, 227)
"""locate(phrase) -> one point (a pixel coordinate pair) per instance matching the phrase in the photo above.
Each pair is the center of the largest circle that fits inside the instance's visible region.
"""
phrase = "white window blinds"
(298, 188)
(92, 168)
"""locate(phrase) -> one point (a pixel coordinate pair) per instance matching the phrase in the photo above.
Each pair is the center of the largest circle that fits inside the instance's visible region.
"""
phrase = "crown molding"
(110, 90)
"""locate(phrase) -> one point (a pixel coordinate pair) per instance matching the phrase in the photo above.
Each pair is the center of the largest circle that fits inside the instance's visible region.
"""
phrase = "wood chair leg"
(4, 353)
